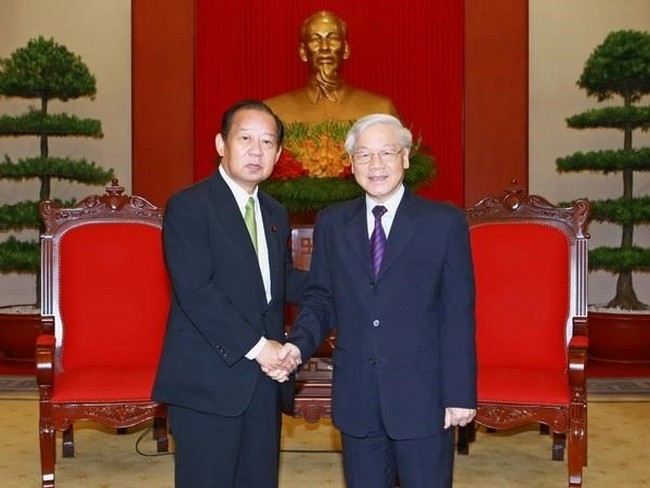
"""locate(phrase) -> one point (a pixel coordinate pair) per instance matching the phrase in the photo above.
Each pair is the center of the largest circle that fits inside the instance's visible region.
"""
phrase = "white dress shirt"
(391, 207)
(241, 197)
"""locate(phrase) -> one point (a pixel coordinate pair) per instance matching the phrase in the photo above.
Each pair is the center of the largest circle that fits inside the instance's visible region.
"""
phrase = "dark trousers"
(213, 451)
(375, 461)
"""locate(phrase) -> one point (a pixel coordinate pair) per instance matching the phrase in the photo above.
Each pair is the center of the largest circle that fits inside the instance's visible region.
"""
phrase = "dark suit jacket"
(414, 325)
(219, 309)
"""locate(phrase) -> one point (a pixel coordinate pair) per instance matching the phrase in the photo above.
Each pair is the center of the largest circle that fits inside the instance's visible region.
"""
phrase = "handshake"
(278, 361)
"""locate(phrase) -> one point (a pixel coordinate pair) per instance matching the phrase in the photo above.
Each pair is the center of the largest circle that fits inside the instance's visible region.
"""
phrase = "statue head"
(324, 46)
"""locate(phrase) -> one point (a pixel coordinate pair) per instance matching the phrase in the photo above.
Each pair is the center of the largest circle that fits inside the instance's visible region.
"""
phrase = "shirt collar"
(241, 195)
(391, 204)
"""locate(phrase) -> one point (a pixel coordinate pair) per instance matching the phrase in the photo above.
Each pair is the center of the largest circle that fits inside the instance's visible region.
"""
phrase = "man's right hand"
(289, 359)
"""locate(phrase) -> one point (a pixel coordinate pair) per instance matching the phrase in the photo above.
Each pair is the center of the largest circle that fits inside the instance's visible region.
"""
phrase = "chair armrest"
(45, 359)
(578, 360)
(47, 324)
(579, 326)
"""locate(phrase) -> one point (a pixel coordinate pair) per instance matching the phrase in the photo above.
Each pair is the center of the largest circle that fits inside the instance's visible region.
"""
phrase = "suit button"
(375, 323)
(372, 361)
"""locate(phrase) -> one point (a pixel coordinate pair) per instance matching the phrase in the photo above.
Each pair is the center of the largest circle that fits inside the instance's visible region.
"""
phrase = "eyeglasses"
(386, 156)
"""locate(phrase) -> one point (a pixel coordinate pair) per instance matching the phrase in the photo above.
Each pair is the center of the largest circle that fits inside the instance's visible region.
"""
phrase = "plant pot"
(18, 332)
(619, 337)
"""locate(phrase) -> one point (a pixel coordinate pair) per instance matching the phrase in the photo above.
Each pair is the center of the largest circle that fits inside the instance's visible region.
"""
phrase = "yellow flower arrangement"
(314, 169)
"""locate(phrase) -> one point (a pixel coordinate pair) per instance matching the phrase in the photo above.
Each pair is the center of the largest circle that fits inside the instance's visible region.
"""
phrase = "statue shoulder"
(370, 101)
(297, 106)
(288, 100)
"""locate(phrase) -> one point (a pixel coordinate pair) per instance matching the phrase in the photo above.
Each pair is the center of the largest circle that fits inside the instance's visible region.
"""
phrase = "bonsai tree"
(620, 66)
(45, 71)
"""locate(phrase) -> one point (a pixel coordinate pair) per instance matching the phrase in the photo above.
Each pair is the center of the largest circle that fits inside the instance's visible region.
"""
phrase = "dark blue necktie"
(377, 239)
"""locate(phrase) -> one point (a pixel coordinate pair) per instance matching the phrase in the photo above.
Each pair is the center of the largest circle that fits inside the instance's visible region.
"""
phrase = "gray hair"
(403, 134)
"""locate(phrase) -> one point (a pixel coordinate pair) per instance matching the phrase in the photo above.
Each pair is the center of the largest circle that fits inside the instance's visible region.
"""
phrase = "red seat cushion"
(522, 386)
(104, 384)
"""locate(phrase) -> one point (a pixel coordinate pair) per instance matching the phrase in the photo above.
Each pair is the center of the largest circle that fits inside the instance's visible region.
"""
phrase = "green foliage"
(21, 215)
(47, 70)
(622, 211)
(24, 215)
(618, 66)
(309, 194)
(617, 260)
(606, 161)
(35, 123)
(61, 168)
(19, 256)
(631, 117)
(43, 70)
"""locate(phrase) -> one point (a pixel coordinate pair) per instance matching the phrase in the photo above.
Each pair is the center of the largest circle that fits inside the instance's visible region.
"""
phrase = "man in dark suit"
(226, 250)
(397, 282)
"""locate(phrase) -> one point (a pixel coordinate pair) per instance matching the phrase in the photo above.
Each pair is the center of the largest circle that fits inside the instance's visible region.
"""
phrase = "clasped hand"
(458, 416)
(279, 361)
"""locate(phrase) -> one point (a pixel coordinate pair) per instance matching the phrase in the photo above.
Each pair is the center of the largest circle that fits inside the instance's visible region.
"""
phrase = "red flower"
(346, 172)
(287, 167)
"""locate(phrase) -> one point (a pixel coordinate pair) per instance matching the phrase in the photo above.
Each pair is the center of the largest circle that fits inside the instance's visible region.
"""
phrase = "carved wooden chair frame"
(571, 419)
(112, 207)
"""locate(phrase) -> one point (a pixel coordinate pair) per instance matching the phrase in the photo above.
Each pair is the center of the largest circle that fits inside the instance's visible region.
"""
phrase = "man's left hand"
(458, 416)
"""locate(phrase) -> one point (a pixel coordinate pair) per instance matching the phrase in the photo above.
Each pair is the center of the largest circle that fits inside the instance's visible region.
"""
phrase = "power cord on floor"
(313, 451)
(148, 430)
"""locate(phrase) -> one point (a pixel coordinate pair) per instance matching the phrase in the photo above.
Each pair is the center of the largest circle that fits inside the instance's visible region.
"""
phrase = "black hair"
(250, 104)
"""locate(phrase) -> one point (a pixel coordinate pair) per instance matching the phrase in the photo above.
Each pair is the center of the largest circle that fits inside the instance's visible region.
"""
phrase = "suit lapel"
(356, 233)
(234, 227)
(401, 232)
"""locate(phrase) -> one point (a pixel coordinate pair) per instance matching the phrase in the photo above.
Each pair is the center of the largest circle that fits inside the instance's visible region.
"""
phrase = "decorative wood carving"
(113, 207)
(515, 200)
(514, 206)
(102, 207)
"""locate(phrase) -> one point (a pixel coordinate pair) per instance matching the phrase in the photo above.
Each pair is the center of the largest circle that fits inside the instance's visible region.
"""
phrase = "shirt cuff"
(257, 348)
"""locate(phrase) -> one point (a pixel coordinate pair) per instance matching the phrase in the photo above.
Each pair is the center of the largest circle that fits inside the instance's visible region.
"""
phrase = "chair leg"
(577, 448)
(68, 442)
(462, 443)
(160, 433)
(559, 443)
(466, 435)
(47, 441)
(472, 431)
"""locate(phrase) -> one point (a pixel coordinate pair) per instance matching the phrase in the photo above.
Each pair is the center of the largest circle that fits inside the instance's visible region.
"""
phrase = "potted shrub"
(43, 70)
(619, 69)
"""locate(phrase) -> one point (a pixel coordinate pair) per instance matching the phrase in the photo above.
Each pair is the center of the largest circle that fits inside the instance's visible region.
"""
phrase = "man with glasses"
(393, 272)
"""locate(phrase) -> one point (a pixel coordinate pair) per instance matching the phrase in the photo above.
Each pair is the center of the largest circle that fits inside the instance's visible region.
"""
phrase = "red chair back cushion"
(522, 295)
(113, 295)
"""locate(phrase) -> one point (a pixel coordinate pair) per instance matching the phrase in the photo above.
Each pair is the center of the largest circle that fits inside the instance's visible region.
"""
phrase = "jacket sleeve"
(458, 320)
(187, 247)
(317, 312)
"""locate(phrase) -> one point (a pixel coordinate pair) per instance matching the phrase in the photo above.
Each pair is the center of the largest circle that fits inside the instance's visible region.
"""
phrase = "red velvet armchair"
(530, 261)
(105, 298)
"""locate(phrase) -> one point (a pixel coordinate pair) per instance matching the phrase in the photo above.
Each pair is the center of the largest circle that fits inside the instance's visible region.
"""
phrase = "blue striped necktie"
(377, 239)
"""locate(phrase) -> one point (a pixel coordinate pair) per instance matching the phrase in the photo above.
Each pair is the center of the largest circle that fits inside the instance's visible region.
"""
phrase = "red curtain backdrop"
(411, 52)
